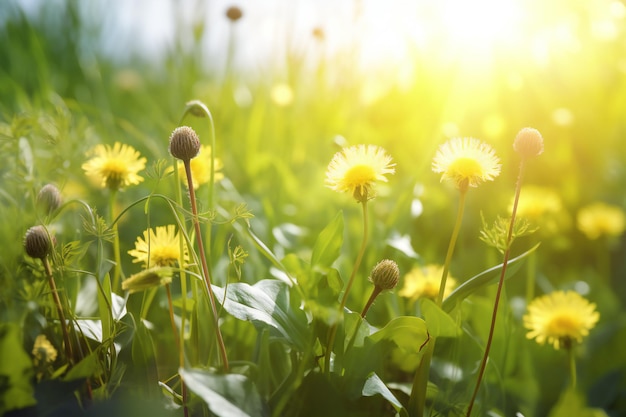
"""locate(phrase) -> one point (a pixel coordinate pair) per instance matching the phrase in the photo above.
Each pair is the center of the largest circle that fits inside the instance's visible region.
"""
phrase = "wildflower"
(355, 169)
(560, 318)
(184, 143)
(158, 247)
(37, 242)
(600, 219)
(43, 351)
(466, 162)
(542, 206)
(528, 142)
(115, 167)
(201, 168)
(424, 282)
(146, 279)
(49, 198)
(385, 275)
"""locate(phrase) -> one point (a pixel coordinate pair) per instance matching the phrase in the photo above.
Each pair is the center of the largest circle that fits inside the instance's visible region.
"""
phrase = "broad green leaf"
(439, 323)
(230, 395)
(87, 367)
(572, 404)
(267, 303)
(409, 335)
(328, 244)
(487, 277)
(16, 371)
(374, 385)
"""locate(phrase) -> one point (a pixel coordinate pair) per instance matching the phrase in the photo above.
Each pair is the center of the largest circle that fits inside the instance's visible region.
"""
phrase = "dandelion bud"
(148, 278)
(37, 242)
(43, 351)
(184, 143)
(528, 142)
(49, 198)
(385, 274)
(234, 13)
(196, 108)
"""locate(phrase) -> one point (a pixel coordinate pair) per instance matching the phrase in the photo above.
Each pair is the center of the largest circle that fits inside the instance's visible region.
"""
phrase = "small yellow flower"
(424, 282)
(560, 318)
(600, 219)
(201, 168)
(43, 351)
(355, 170)
(466, 162)
(115, 167)
(543, 207)
(159, 247)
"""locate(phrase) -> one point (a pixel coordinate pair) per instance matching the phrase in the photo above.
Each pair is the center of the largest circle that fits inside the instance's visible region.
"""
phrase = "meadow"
(313, 237)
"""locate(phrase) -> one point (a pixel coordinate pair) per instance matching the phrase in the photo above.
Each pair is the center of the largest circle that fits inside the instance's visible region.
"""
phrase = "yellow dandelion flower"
(201, 168)
(466, 162)
(355, 170)
(600, 219)
(158, 248)
(560, 318)
(115, 167)
(424, 282)
(43, 351)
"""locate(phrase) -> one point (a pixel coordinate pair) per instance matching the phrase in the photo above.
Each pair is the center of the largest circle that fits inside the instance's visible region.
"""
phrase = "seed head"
(37, 242)
(528, 143)
(184, 143)
(234, 13)
(385, 274)
(49, 198)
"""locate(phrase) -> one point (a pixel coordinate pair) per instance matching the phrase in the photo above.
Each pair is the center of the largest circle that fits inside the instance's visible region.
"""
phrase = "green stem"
(417, 398)
(116, 242)
(452, 244)
(205, 268)
(179, 345)
(332, 332)
(375, 292)
(57, 302)
(496, 304)
(530, 277)
(572, 364)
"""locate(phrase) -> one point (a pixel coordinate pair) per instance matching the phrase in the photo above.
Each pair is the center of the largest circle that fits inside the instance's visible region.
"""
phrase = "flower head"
(43, 351)
(528, 142)
(184, 143)
(201, 168)
(466, 162)
(234, 13)
(37, 242)
(355, 169)
(115, 167)
(425, 282)
(158, 248)
(560, 318)
(385, 274)
(600, 219)
(49, 198)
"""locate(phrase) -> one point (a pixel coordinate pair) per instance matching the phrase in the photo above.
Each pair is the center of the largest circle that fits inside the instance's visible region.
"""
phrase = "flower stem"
(451, 245)
(57, 302)
(116, 242)
(205, 268)
(179, 345)
(417, 398)
(332, 332)
(375, 292)
(572, 364)
(505, 261)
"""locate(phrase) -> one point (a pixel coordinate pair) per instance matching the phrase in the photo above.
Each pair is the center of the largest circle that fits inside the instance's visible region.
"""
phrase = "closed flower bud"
(148, 278)
(385, 274)
(528, 143)
(234, 13)
(49, 198)
(184, 143)
(37, 242)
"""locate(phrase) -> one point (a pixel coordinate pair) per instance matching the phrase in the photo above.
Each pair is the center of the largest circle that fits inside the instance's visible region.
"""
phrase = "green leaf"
(487, 277)
(105, 307)
(16, 371)
(89, 366)
(439, 323)
(374, 385)
(266, 303)
(230, 395)
(327, 247)
(572, 404)
(408, 336)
